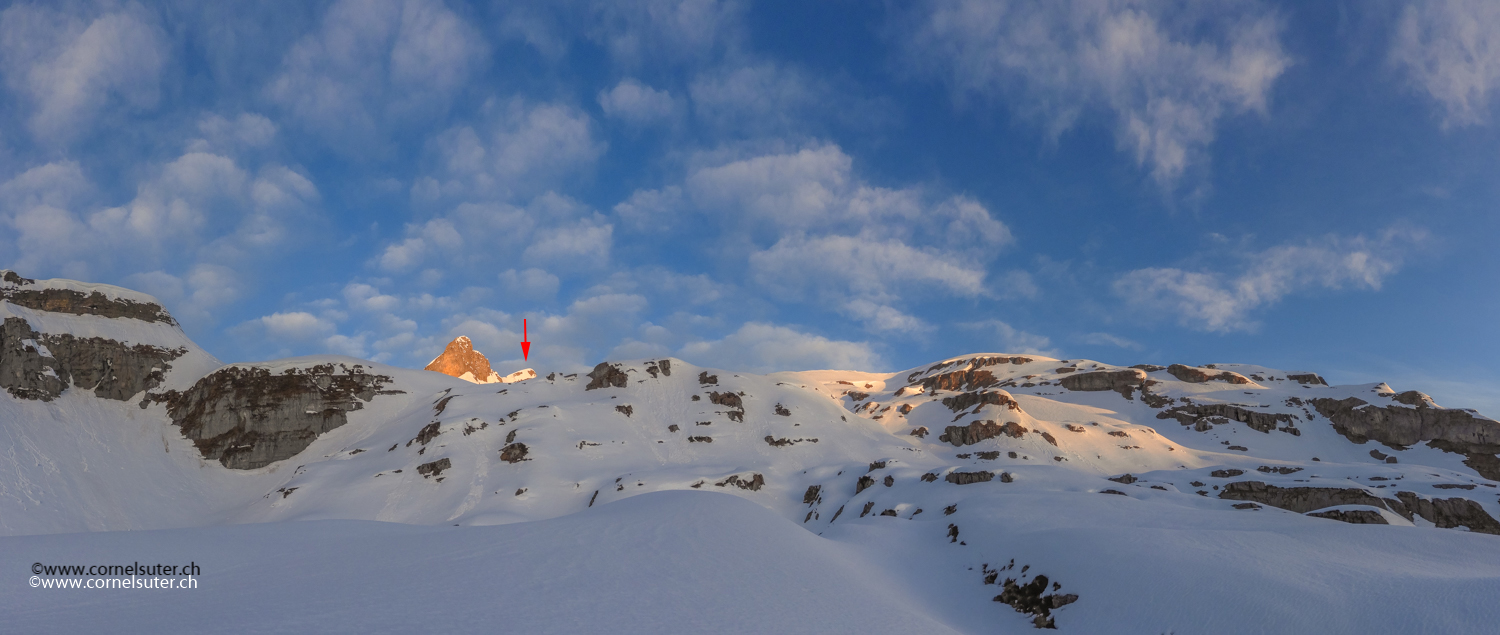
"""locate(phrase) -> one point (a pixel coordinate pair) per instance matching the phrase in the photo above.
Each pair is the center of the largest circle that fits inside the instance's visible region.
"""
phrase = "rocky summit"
(460, 360)
(981, 493)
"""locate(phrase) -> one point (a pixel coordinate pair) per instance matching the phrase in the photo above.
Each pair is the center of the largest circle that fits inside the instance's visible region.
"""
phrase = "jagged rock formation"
(978, 431)
(1443, 512)
(1399, 426)
(1195, 375)
(1196, 415)
(27, 293)
(247, 417)
(606, 375)
(1117, 380)
(459, 359)
(1029, 598)
(40, 366)
(966, 400)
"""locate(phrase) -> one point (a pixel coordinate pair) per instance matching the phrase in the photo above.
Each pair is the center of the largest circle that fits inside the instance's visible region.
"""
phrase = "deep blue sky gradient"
(1358, 155)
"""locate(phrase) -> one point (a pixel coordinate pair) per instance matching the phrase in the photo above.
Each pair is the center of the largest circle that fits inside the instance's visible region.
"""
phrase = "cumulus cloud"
(811, 229)
(637, 103)
(73, 69)
(758, 98)
(1220, 302)
(295, 325)
(815, 189)
(552, 231)
(1167, 72)
(372, 62)
(1450, 50)
(859, 265)
(881, 318)
(529, 283)
(670, 30)
(520, 149)
(200, 208)
(762, 347)
(196, 294)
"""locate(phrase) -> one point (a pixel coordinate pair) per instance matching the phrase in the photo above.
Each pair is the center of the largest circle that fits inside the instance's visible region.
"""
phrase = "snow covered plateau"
(986, 493)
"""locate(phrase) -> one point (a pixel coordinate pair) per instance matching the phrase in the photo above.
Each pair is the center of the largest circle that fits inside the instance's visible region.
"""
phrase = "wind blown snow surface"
(654, 496)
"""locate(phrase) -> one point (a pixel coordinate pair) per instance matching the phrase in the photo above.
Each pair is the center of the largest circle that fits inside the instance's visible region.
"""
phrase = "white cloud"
(1450, 50)
(553, 232)
(194, 296)
(637, 103)
(815, 189)
(1012, 340)
(1213, 301)
(652, 210)
(859, 265)
(366, 297)
(346, 345)
(520, 149)
(882, 318)
(761, 347)
(638, 31)
(810, 229)
(74, 69)
(193, 214)
(1167, 71)
(59, 184)
(529, 283)
(583, 244)
(794, 190)
(376, 61)
(296, 325)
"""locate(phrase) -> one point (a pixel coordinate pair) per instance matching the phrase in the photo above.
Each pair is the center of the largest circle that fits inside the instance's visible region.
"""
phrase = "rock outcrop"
(1400, 426)
(978, 431)
(1443, 512)
(41, 366)
(25, 292)
(964, 401)
(960, 380)
(606, 375)
(1352, 516)
(1195, 375)
(1261, 421)
(459, 359)
(1117, 380)
(247, 417)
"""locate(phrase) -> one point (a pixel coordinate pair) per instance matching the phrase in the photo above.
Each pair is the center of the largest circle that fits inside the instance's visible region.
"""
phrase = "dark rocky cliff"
(247, 417)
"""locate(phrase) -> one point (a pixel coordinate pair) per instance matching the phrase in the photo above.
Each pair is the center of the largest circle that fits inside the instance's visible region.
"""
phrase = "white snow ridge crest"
(980, 494)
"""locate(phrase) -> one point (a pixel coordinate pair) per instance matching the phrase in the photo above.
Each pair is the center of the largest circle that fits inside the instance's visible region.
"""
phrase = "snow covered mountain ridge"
(1000, 484)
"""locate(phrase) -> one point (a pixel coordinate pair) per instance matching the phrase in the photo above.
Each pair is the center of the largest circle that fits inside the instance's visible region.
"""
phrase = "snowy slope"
(1156, 498)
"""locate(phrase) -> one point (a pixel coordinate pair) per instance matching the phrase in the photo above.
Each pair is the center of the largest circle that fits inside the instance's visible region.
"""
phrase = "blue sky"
(777, 185)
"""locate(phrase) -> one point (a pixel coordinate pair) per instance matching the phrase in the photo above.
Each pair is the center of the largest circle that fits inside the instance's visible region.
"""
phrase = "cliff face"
(94, 341)
(1396, 425)
(40, 366)
(247, 417)
(26, 292)
(460, 360)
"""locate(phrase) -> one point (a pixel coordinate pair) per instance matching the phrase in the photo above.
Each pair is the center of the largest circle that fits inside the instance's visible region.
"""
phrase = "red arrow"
(525, 345)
